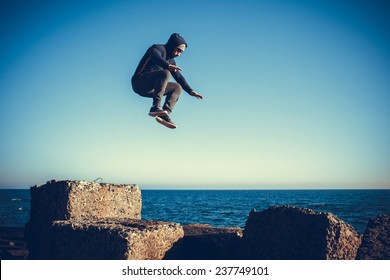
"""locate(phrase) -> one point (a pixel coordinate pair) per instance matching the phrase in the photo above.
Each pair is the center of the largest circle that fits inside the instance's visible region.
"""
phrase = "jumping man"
(151, 78)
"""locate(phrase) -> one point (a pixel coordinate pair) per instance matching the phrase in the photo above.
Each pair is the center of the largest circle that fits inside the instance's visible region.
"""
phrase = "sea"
(226, 208)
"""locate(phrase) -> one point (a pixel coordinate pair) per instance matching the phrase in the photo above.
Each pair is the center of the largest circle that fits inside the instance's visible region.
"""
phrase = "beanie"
(181, 47)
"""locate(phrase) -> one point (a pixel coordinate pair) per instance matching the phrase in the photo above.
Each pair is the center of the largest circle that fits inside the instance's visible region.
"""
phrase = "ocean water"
(14, 208)
(225, 208)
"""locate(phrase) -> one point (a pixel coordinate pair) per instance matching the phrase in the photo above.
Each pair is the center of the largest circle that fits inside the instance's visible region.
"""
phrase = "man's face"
(177, 52)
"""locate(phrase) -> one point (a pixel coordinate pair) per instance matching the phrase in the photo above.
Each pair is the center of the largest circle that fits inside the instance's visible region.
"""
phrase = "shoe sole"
(167, 124)
(159, 114)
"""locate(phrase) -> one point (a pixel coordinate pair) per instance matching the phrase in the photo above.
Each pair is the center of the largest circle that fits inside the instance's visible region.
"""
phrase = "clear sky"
(296, 93)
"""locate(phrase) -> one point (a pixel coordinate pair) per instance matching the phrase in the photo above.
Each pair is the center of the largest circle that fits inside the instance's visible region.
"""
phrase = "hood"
(174, 41)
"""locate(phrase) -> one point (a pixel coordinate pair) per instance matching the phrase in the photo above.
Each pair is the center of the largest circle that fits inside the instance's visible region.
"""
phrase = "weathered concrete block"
(78, 201)
(376, 240)
(292, 233)
(204, 242)
(109, 239)
(81, 200)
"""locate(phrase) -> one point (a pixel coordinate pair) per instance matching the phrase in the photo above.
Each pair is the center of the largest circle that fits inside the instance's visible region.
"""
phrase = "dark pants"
(155, 85)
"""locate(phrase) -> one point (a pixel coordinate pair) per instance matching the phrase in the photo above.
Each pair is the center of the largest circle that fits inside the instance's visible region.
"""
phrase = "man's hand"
(195, 94)
(174, 68)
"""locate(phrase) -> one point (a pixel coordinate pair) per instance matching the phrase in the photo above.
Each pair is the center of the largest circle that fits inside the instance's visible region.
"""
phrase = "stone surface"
(81, 200)
(204, 242)
(292, 233)
(109, 239)
(376, 240)
(78, 201)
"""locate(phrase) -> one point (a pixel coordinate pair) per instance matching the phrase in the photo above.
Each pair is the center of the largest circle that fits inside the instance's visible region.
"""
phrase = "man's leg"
(172, 92)
(161, 81)
(153, 85)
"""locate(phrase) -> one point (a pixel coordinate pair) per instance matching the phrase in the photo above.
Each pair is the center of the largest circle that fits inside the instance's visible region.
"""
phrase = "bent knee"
(165, 74)
(177, 87)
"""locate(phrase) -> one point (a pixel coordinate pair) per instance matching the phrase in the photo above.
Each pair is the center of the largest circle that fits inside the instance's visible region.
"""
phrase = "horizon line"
(224, 188)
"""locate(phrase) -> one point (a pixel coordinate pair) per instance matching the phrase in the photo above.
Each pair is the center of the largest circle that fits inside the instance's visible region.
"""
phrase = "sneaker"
(166, 120)
(157, 112)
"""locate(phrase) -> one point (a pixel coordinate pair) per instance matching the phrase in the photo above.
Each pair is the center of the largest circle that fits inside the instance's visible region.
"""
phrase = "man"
(151, 78)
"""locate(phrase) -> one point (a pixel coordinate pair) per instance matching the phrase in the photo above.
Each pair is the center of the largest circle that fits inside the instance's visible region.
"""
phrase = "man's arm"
(182, 81)
(195, 94)
(156, 55)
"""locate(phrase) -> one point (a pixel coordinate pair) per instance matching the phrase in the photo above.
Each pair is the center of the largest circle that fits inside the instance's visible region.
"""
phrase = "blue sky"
(296, 94)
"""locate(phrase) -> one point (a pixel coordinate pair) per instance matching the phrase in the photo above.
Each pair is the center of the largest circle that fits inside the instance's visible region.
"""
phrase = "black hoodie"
(158, 57)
